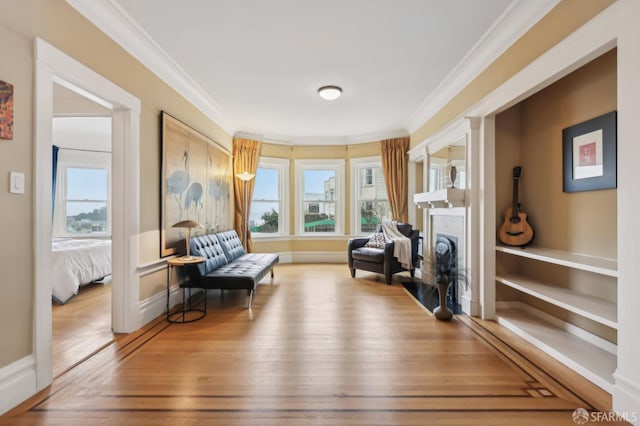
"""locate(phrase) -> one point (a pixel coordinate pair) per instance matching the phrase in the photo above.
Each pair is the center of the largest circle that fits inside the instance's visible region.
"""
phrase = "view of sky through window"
(85, 185)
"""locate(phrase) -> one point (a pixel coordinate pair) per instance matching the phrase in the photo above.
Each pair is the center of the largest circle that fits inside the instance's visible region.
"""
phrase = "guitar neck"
(515, 204)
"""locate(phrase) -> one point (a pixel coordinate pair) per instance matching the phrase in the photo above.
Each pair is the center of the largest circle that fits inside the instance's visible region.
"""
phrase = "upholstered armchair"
(381, 259)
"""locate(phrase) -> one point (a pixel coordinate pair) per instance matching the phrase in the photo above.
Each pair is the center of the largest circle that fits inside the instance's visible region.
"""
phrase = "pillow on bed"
(376, 240)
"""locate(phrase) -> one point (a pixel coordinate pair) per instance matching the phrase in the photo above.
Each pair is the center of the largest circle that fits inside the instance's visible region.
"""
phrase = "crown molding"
(111, 19)
(516, 20)
(324, 140)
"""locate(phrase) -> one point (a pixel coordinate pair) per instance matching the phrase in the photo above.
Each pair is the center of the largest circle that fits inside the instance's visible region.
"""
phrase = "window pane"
(264, 216)
(86, 184)
(371, 185)
(372, 213)
(266, 185)
(366, 176)
(319, 216)
(86, 217)
(319, 184)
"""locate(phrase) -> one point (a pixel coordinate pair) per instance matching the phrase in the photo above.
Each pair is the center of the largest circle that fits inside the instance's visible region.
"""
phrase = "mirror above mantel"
(446, 176)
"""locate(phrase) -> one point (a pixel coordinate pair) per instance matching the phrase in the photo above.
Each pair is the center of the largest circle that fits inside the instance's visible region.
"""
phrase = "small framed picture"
(6, 110)
(589, 154)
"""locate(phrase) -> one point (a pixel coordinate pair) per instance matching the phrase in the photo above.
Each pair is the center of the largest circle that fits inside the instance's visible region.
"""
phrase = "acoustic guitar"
(515, 230)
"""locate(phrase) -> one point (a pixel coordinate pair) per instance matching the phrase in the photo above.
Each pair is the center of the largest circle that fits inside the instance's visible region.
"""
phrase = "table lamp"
(187, 225)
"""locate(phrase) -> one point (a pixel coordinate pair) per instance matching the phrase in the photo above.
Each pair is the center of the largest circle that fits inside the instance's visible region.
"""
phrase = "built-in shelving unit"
(583, 262)
(590, 307)
(560, 293)
(590, 357)
(588, 354)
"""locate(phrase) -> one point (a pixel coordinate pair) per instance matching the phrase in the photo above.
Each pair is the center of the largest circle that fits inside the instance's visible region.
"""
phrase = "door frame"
(54, 66)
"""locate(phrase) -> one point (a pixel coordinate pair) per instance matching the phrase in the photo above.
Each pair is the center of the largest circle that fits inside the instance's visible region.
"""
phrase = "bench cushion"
(236, 275)
(208, 246)
(231, 244)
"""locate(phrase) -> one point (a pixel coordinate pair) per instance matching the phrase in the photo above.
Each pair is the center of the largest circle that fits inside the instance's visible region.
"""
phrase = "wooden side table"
(186, 313)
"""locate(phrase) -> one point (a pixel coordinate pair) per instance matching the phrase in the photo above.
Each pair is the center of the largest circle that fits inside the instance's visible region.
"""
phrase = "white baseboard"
(626, 398)
(156, 305)
(469, 306)
(17, 383)
(313, 257)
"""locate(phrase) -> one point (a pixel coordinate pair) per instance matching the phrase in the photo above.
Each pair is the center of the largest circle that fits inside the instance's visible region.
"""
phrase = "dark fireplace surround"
(446, 258)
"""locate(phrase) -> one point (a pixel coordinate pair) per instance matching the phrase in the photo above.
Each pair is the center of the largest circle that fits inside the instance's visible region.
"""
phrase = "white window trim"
(339, 167)
(282, 165)
(355, 164)
(68, 158)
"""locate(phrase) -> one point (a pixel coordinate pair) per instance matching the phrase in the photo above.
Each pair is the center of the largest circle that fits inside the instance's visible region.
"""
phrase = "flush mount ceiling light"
(330, 92)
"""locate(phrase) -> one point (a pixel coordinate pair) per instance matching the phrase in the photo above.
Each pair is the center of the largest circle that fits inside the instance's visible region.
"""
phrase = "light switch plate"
(16, 183)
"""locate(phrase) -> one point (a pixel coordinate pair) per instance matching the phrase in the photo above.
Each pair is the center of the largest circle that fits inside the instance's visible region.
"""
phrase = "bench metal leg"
(249, 298)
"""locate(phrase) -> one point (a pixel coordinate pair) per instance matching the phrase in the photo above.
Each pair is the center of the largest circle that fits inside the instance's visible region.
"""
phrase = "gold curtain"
(245, 160)
(394, 167)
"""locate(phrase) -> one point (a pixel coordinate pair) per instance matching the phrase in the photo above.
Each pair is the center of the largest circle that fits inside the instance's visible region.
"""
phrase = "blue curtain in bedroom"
(54, 157)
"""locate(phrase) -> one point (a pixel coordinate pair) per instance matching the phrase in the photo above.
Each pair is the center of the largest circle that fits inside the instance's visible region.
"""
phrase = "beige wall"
(58, 24)
(16, 263)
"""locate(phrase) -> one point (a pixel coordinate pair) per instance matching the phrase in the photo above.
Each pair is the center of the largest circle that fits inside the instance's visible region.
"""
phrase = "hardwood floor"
(318, 347)
(81, 326)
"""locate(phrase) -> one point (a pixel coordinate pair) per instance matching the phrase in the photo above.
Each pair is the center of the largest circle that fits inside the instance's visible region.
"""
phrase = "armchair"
(381, 260)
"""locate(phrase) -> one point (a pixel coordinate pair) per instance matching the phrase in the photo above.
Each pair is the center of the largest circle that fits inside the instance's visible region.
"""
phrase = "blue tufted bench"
(226, 265)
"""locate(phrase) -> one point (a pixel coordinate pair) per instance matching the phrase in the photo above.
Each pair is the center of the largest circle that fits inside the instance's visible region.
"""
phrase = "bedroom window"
(269, 213)
(370, 204)
(319, 196)
(82, 204)
(86, 201)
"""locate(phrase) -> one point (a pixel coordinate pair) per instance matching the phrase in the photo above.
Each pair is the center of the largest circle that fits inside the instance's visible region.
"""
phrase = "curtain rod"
(84, 150)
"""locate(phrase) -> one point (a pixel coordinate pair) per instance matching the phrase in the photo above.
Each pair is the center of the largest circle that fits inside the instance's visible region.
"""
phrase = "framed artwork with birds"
(195, 184)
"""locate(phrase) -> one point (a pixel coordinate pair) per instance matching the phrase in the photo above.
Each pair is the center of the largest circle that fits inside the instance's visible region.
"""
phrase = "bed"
(77, 263)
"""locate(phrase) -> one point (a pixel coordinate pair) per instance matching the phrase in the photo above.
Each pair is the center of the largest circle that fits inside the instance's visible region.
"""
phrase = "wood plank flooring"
(318, 347)
(81, 326)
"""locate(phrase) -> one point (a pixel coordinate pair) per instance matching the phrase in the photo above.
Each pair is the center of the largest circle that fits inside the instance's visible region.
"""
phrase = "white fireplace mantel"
(443, 198)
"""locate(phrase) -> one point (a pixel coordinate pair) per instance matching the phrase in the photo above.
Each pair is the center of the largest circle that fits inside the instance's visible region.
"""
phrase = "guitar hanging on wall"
(515, 230)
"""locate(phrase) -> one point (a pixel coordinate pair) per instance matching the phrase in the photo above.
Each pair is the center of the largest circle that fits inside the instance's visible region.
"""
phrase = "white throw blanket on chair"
(401, 244)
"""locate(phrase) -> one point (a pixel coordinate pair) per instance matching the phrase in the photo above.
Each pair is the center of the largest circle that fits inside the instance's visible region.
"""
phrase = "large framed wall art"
(195, 183)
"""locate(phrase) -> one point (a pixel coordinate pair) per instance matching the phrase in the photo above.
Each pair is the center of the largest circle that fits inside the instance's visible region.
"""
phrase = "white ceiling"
(254, 66)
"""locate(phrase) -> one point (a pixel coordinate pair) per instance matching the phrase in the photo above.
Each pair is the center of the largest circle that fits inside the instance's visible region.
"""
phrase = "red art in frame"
(6, 110)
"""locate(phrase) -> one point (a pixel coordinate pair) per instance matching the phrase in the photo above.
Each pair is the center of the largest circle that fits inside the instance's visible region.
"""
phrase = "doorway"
(55, 67)
(81, 229)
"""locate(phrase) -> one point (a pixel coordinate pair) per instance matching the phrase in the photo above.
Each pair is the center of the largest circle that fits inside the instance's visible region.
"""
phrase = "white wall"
(86, 133)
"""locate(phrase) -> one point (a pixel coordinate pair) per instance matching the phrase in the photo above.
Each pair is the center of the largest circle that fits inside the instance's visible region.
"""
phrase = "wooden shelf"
(591, 361)
(596, 309)
(444, 198)
(583, 262)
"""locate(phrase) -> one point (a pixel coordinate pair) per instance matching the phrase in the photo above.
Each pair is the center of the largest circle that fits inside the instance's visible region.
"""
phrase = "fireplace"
(446, 259)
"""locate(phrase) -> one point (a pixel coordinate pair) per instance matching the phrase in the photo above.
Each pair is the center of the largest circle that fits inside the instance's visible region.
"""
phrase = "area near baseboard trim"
(17, 382)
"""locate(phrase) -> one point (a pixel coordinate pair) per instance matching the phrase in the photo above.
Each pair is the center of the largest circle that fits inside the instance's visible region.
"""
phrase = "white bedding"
(76, 263)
